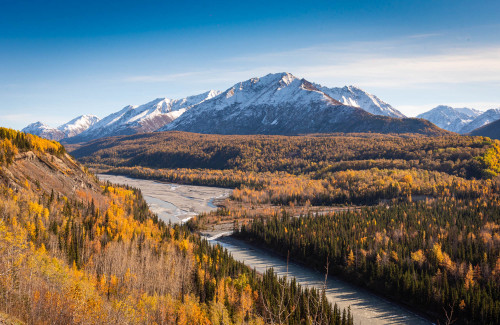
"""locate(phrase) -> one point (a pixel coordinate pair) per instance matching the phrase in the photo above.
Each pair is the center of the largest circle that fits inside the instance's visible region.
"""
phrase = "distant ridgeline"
(453, 154)
(77, 251)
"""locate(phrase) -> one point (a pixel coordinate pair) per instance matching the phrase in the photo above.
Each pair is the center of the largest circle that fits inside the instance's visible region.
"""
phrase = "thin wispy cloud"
(469, 66)
(389, 63)
(356, 64)
(392, 67)
(416, 36)
(163, 77)
(15, 117)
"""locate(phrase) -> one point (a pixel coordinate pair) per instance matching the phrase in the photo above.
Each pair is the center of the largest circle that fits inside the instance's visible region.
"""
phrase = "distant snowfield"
(173, 203)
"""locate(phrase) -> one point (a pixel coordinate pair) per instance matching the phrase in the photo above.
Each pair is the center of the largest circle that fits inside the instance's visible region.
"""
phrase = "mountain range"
(277, 103)
(485, 118)
(461, 120)
(449, 118)
(142, 119)
(284, 104)
(67, 130)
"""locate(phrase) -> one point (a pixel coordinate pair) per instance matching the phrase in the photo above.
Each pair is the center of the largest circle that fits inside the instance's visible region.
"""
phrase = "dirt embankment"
(50, 173)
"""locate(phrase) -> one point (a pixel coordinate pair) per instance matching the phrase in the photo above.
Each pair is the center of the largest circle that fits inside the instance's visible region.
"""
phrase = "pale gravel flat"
(172, 202)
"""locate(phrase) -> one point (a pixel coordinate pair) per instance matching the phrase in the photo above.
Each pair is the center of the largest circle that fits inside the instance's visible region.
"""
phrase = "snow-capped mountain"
(354, 96)
(487, 117)
(274, 104)
(140, 119)
(284, 104)
(78, 125)
(69, 129)
(44, 131)
(449, 118)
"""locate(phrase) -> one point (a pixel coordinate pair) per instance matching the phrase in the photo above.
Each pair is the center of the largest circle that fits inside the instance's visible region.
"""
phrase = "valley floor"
(173, 202)
(367, 308)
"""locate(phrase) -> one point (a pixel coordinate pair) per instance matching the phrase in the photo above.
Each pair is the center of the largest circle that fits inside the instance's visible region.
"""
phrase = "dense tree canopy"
(454, 154)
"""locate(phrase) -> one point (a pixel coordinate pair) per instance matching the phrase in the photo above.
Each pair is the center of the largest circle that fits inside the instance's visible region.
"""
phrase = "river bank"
(173, 203)
(366, 307)
(176, 203)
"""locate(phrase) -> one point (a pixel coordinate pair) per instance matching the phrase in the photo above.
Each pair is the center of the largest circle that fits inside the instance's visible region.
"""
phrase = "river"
(176, 202)
(173, 203)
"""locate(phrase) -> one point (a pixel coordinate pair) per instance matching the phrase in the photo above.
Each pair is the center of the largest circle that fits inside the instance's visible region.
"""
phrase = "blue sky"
(60, 59)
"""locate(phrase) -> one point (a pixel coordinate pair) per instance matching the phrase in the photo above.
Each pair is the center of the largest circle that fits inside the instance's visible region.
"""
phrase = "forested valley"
(412, 218)
(77, 251)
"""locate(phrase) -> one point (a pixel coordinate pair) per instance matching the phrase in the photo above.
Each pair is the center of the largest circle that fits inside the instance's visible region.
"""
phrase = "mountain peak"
(211, 93)
(287, 78)
(442, 107)
(281, 103)
(78, 125)
(282, 78)
(461, 120)
(279, 75)
(275, 102)
(42, 130)
(36, 124)
(80, 118)
(483, 119)
(462, 110)
(493, 111)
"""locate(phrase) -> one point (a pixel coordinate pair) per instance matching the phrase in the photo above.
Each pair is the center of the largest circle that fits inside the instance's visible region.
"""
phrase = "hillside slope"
(452, 154)
(491, 130)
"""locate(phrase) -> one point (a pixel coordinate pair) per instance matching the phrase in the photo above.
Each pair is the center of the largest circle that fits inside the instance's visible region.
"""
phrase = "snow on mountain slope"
(284, 104)
(140, 119)
(78, 125)
(450, 118)
(276, 104)
(487, 117)
(44, 131)
(354, 96)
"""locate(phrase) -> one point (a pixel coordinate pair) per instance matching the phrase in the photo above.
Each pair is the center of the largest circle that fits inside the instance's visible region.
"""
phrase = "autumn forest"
(414, 219)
